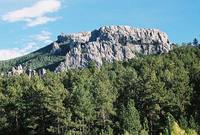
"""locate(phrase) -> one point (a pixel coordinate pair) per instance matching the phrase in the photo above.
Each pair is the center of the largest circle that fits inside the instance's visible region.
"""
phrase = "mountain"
(109, 43)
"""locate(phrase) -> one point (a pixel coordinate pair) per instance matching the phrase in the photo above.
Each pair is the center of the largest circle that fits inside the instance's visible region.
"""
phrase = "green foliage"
(131, 119)
(131, 97)
(177, 130)
(195, 42)
(39, 59)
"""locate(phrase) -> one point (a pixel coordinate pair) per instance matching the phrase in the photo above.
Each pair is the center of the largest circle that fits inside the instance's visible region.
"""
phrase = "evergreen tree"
(81, 102)
(58, 115)
(4, 123)
(104, 95)
(131, 119)
(13, 105)
(195, 42)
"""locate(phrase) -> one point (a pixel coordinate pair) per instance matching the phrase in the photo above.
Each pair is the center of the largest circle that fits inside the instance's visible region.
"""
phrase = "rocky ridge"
(111, 43)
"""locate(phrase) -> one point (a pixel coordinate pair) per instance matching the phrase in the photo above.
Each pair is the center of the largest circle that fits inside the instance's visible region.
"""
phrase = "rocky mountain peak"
(111, 43)
(114, 33)
(77, 50)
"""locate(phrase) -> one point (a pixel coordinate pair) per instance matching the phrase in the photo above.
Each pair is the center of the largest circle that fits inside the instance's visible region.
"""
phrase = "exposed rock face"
(31, 73)
(42, 72)
(17, 70)
(55, 48)
(111, 43)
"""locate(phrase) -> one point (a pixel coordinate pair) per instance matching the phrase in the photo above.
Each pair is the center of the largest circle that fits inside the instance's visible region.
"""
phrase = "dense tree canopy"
(148, 95)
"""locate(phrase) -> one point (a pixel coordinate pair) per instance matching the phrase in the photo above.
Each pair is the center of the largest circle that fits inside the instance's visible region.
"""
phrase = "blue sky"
(26, 25)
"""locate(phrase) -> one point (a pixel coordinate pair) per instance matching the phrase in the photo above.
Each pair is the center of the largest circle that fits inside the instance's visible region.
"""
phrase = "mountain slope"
(35, 60)
(110, 43)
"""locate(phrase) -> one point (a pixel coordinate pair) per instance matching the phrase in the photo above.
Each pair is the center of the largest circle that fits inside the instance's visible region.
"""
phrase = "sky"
(26, 25)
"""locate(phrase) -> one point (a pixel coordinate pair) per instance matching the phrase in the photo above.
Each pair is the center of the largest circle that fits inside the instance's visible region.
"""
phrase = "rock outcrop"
(111, 43)
(16, 70)
(55, 48)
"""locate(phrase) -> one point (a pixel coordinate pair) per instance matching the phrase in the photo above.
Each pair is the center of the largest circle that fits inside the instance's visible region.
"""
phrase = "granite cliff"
(111, 43)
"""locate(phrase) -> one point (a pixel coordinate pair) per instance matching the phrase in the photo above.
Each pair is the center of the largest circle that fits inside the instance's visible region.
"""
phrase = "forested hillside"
(149, 95)
(41, 58)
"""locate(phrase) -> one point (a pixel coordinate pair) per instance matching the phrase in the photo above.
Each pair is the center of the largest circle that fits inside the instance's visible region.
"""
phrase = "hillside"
(41, 58)
(109, 43)
(150, 95)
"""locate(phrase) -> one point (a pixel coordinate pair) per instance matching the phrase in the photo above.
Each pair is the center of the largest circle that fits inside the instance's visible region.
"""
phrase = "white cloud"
(6, 54)
(35, 14)
(33, 43)
(40, 20)
(44, 37)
